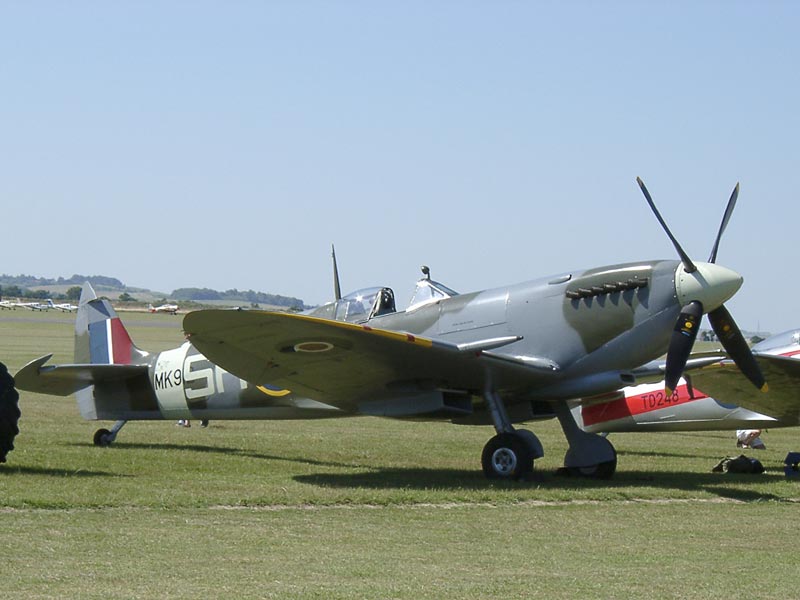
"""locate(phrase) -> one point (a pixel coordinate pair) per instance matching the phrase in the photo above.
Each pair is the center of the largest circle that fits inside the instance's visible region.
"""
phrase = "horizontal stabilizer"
(63, 380)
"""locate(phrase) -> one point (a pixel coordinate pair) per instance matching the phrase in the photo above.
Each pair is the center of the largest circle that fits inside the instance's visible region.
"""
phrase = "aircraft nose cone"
(711, 284)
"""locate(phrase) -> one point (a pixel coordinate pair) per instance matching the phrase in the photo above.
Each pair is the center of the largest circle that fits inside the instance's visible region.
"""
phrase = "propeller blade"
(725, 218)
(687, 262)
(735, 345)
(680, 345)
(689, 385)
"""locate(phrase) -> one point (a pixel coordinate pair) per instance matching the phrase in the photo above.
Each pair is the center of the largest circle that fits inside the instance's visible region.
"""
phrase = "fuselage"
(591, 326)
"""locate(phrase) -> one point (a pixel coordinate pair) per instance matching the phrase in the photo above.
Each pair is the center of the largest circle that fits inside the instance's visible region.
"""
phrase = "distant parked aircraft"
(165, 308)
(33, 305)
(64, 307)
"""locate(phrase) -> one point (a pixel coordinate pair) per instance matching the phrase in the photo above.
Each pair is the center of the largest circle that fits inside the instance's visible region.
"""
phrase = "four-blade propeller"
(722, 323)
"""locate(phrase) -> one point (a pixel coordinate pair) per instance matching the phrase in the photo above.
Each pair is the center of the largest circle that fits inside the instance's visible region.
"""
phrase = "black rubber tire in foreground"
(9, 413)
(507, 456)
(101, 438)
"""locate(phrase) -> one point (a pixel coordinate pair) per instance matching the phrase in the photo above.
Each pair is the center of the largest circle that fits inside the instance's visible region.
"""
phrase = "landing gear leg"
(104, 437)
(509, 454)
(588, 455)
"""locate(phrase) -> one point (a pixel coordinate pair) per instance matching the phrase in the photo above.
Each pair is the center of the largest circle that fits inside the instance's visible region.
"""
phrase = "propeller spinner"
(703, 288)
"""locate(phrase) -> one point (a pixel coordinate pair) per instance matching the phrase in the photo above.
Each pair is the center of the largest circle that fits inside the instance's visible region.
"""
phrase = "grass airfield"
(368, 508)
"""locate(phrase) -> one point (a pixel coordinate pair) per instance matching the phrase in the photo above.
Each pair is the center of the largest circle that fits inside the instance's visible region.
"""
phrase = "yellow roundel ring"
(313, 347)
(275, 393)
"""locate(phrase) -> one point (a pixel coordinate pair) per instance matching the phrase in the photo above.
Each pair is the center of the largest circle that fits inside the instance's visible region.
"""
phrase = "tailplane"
(110, 374)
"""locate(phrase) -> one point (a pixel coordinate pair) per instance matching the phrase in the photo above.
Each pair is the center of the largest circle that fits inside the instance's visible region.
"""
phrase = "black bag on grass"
(739, 464)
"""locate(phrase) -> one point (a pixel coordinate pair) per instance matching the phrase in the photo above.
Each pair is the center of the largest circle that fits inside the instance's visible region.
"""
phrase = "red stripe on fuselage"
(644, 402)
(653, 399)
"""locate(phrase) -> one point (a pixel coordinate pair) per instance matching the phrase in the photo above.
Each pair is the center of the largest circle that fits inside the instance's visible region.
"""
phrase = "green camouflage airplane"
(495, 357)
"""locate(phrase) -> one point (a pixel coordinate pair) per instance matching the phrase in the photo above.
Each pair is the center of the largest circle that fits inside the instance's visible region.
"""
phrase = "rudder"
(100, 336)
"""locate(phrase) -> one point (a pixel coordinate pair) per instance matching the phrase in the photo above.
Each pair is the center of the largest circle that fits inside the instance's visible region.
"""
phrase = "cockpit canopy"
(428, 291)
(362, 305)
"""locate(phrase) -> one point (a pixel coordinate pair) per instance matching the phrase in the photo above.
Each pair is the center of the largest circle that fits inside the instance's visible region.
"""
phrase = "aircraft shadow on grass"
(226, 451)
(661, 454)
(420, 478)
(11, 470)
(415, 478)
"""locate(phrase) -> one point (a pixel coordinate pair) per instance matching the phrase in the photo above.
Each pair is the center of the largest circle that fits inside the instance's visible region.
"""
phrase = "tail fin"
(100, 336)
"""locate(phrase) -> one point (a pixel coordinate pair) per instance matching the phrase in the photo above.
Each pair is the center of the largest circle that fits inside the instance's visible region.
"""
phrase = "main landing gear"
(588, 455)
(510, 454)
(104, 437)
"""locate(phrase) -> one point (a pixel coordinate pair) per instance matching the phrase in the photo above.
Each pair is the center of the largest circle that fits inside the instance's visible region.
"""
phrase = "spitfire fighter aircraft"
(499, 357)
(691, 407)
(496, 357)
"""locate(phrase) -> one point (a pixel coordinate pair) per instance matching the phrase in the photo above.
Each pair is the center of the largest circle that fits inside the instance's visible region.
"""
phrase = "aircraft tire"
(506, 456)
(102, 438)
(603, 470)
(9, 413)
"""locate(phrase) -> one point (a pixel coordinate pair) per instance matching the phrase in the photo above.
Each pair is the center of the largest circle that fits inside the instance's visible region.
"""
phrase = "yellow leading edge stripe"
(393, 335)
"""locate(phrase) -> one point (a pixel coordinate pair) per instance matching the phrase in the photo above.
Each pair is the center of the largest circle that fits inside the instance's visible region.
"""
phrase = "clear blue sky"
(228, 144)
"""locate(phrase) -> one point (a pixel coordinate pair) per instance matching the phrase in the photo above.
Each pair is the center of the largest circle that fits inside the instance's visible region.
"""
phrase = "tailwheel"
(9, 413)
(507, 456)
(103, 438)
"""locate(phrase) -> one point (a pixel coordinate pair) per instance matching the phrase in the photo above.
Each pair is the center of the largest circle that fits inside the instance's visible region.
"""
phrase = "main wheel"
(102, 438)
(506, 456)
(9, 413)
(603, 470)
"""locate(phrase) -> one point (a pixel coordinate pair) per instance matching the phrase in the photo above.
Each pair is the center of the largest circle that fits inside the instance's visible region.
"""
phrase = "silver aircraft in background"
(713, 397)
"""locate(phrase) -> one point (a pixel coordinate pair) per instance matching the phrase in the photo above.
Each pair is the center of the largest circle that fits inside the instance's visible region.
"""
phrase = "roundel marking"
(273, 392)
(313, 347)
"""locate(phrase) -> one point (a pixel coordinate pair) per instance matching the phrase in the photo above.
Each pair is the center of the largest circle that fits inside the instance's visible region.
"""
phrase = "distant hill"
(234, 295)
(29, 281)
(43, 287)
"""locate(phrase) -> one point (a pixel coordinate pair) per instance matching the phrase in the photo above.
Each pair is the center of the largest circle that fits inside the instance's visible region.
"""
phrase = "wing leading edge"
(725, 382)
